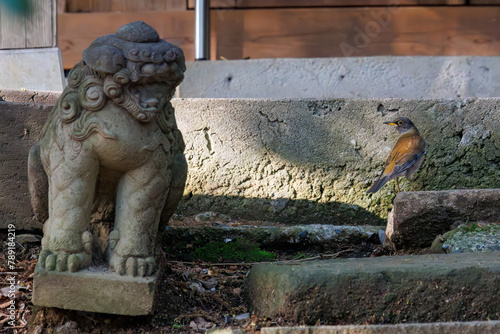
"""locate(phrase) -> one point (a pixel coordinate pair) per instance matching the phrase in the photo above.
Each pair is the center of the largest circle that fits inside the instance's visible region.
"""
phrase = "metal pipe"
(202, 30)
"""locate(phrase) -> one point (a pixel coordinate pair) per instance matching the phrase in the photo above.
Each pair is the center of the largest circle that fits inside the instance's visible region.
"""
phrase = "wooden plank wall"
(37, 29)
(328, 31)
(75, 6)
(323, 3)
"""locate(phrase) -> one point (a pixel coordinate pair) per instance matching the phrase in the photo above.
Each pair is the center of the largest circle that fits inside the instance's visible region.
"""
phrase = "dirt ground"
(192, 296)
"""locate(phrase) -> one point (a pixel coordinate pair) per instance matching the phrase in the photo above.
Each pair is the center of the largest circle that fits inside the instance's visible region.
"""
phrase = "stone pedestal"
(95, 290)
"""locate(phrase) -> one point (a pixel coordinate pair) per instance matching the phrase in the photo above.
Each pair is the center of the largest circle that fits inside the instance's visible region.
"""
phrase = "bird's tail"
(378, 184)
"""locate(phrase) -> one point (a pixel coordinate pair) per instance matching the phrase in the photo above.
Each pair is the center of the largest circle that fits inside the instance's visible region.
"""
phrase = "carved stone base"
(95, 290)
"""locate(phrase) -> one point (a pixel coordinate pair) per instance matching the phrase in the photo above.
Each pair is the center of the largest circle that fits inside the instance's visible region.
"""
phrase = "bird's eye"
(400, 122)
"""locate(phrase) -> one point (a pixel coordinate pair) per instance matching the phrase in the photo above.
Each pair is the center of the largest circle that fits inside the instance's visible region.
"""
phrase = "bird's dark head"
(402, 124)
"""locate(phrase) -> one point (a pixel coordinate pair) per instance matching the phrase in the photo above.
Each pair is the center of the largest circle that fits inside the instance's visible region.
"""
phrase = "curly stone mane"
(111, 67)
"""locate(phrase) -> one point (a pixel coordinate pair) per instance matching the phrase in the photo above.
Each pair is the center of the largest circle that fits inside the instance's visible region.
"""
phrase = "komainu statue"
(109, 166)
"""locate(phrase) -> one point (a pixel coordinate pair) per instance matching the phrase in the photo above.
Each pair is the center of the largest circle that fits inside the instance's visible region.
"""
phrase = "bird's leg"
(397, 183)
(411, 183)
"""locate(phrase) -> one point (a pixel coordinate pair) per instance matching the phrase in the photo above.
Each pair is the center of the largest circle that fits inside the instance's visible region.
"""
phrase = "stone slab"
(32, 69)
(328, 237)
(418, 77)
(426, 288)
(418, 217)
(473, 327)
(292, 161)
(95, 290)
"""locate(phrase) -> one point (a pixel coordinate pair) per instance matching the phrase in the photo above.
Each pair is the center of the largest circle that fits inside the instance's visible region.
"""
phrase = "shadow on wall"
(318, 153)
(283, 210)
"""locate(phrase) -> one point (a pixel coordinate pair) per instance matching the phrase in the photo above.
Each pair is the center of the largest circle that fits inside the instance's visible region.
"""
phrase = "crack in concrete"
(209, 141)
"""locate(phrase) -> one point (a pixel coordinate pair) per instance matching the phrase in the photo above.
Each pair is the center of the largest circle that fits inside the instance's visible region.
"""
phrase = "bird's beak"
(390, 123)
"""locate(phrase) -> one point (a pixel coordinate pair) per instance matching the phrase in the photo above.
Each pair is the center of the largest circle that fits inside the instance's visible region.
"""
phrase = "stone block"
(472, 327)
(418, 217)
(425, 288)
(32, 69)
(344, 77)
(95, 290)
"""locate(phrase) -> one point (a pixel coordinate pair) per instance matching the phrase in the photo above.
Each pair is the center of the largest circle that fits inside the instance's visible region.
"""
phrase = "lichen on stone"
(472, 237)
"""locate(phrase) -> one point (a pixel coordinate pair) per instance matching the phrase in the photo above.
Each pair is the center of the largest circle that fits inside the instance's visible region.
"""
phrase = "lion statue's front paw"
(134, 265)
(63, 260)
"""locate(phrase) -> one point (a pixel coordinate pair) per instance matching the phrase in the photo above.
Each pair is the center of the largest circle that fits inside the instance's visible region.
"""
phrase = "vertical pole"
(202, 30)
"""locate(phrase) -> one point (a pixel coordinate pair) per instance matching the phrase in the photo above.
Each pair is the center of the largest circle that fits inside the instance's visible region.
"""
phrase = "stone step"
(423, 288)
(418, 217)
(318, 237)
(344, 77)
(473, 327)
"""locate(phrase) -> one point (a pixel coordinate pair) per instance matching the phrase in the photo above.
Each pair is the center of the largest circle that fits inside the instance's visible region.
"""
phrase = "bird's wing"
(406, 152)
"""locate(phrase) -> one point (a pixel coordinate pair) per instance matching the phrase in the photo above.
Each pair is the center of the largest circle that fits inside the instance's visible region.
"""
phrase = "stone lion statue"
(110, 157)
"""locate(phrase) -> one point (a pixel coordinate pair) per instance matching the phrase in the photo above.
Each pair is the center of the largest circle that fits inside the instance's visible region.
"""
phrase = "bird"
(406, 156)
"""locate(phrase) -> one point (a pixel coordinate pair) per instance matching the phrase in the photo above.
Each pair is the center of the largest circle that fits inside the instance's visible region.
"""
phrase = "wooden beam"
(484, 2)
(76, 6)
(308, 32)
(61, 6)
(77, 31)
(365, 32)
(321, 3)
(40, 25)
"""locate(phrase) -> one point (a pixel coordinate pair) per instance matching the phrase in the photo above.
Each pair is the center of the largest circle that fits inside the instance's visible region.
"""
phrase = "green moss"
(238, 250)
(470, 228)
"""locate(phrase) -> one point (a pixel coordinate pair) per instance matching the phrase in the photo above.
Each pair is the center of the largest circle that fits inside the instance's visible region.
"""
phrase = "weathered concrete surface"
(33, 69)
(356, 77)
(312, 161)
(473, 327)
(21, 127)
(418, 217)
(29, 96)
(94, 290)
(302, 161)
(427, 288)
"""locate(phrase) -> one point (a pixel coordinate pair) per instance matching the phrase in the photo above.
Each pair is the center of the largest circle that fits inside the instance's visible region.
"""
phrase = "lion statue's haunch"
(111, 148)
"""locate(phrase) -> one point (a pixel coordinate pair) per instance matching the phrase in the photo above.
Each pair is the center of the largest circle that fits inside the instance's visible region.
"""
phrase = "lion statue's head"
(134, 69)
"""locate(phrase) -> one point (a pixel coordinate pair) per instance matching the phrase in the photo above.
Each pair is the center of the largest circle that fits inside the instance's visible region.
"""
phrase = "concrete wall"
(311, 161)
(303, 161)
(20, 128)
(352, 77)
